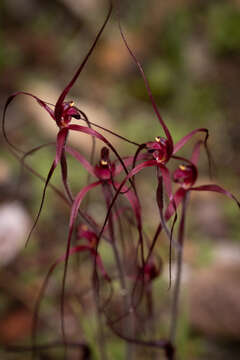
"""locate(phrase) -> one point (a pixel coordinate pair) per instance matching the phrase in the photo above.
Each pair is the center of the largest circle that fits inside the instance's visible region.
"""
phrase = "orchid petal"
(215, 188)
(80, 248)
(187, 137)
(167, 180)
(174, 203)
(61, 139)
(58, 107)
(154, 105)
(9, 100)
(74, 212)
(96, 134)
(133, 172)
(196, 153)
(159, 197)
(64, 171)
(81, 159)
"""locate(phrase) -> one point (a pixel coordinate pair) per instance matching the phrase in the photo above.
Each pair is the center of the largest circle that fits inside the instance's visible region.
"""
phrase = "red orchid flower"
(62, 114)
(163, 148)
(186, 176)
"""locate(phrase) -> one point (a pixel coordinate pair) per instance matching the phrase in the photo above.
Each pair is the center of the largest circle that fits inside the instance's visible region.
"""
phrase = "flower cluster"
(137, 262)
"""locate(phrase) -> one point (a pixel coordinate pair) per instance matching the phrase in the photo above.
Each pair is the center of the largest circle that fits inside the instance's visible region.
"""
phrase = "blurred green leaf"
(223, 28)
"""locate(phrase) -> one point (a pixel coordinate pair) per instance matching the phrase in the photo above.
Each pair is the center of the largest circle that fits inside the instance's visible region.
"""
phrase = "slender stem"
(151, 316)
(100, 327)
(108, 198)
(124, 289)
(176, 290)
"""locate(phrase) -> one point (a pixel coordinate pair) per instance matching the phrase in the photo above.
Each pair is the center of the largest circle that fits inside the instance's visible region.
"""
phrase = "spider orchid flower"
(63, 111)
(186, 176)
(62, 114)
(163, 148)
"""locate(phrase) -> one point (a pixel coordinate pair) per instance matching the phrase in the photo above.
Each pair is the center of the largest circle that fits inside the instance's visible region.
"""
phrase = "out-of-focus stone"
(208, 212)
(197, 59)
(15, 326)
(84, 8)
(14, 228)
(214, 301)
(4, 171)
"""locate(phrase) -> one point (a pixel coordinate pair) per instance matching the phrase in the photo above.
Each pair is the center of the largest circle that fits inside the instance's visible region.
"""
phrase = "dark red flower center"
(68, 111)
(104, 170)
(186, 175)
(160, 149)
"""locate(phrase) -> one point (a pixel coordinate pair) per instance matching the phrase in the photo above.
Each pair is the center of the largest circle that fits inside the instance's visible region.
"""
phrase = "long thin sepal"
(8, 102)
(58, 107)
(74, 212)
(215, 188)
(154, 105)
(61, 138)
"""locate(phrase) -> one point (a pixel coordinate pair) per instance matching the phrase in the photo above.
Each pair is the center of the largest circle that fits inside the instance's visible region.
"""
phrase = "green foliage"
(224, 29)
(176, 28)
(197, 102)
(161, 78)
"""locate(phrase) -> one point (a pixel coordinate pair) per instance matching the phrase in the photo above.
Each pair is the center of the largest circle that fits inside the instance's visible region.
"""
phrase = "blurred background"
(190, 51)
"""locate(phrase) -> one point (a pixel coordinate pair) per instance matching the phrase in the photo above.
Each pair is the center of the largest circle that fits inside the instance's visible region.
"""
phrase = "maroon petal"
(64, 171)
(74, 212)
(196, 152)
(80, 248)
(9, 100)
(132, 173)
(167, 180)
(173, 205)
(133, 200)
(81, 159)
(159, 198)
(61, 141)
(170, 211)
(77, 202)
(154, 105)
(61, 138)
(215, 188)
(96, 134)
(187, 137)
(127, 161)
(58, 107)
